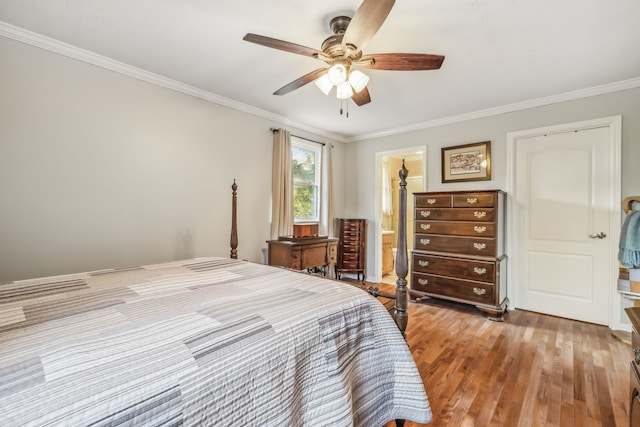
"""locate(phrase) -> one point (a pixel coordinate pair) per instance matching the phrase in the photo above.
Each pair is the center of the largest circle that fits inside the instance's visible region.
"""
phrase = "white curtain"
(281, 186)
(325, 228)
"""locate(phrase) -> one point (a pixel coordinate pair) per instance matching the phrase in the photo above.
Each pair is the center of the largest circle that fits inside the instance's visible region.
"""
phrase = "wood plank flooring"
(530, 370)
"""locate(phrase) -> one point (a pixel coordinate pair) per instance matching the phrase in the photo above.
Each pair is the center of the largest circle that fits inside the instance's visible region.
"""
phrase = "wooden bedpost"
(401, 296)
(234, 224)
(402, 267)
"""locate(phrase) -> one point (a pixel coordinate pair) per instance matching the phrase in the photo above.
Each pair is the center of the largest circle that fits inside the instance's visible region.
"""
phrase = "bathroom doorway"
(387, 195)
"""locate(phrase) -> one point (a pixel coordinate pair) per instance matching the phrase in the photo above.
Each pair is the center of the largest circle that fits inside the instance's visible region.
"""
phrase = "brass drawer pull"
(479, 214)
(425, 226)
(423, 281)
(472, 200)
(480, 246)
(636, 355)
(423, 263)
(479, 229)
(479, 270)
(425, 241)
(431, 201)
(425, 214)
(479, 291)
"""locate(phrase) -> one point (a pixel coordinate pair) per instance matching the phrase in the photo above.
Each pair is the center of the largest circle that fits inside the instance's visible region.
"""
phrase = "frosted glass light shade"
(324, 84)
(358, 80)
(337, 74)
(344, 91)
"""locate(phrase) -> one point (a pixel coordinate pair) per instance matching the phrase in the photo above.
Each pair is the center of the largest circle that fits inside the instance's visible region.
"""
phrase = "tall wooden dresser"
(459, 250)
(352, 247)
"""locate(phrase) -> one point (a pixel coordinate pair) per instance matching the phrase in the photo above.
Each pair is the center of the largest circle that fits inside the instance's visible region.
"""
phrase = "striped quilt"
(202, 342)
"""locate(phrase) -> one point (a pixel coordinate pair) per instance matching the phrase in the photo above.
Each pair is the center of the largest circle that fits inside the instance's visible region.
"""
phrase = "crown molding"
(74, 52)
(538, 102)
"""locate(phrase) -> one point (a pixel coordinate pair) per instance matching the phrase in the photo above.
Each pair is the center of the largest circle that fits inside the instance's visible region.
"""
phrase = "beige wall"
(102, 170)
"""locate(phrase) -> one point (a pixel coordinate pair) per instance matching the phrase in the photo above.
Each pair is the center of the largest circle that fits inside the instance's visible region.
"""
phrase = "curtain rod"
(274, 130)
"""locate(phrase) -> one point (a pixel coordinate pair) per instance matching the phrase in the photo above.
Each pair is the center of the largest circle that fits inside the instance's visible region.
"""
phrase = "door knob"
(600, 235)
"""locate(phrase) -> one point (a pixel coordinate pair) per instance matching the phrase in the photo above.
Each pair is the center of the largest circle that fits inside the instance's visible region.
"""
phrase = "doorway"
(565, 219)
(387, 193)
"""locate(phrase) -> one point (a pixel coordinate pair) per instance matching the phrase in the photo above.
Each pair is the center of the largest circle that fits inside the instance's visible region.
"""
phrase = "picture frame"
(468, 162)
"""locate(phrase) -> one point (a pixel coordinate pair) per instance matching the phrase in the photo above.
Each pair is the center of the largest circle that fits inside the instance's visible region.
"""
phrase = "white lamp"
(337, 74)
(358, 80)
(324, 84)
(344, 90)
(345, 82)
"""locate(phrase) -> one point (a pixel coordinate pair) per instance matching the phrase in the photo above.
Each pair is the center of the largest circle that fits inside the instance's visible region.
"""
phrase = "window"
(305, 163)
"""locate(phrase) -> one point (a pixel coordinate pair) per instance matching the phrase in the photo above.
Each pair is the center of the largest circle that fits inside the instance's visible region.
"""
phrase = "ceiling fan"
(343, 54)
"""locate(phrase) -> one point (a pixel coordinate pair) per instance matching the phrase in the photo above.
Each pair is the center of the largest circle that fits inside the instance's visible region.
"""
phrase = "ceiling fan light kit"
(343, 50)
(337, 74)
(324, 84)
(358, 80)
(345, 86)
(344, 91)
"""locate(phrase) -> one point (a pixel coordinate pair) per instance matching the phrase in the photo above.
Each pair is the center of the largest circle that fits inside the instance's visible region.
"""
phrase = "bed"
(202, 342)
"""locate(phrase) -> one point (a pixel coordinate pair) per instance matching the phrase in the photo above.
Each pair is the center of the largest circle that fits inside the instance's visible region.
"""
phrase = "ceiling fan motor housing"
(339, 24)
(332, 45)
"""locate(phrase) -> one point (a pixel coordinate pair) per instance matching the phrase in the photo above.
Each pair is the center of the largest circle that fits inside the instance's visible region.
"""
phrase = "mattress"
(201, 342)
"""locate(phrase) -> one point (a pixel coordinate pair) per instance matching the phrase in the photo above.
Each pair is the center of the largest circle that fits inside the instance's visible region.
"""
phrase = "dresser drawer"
(353, 240)
(351, 265)
(350, 257)
(455, 244)
(473, 200)
(351, 226)
(477, 229)
(353, 236)
(467, 290)
(350, 248)
(333, 253)
(350, 261)
(455, 267)
(460, 214)
(296, 259)
(435, 201)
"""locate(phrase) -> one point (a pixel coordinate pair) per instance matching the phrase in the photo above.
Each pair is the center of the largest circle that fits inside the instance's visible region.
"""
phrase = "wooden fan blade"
(298, 83)
(366, 22)
(401, 61)
(362, 97)
(283, 45)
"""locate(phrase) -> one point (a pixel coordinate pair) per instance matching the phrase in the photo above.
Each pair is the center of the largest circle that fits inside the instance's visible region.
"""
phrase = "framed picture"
(469, 162)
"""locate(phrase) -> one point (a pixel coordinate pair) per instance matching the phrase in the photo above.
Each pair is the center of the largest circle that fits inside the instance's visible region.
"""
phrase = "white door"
(563, 213)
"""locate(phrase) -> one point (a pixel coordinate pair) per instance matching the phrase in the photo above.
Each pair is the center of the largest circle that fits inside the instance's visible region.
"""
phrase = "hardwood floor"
(530, 370)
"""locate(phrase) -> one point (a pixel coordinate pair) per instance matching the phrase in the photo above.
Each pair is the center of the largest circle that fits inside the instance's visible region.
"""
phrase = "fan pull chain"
(341, 108)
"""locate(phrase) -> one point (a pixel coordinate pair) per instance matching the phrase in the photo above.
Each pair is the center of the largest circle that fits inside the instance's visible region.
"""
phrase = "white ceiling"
(499, 54)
